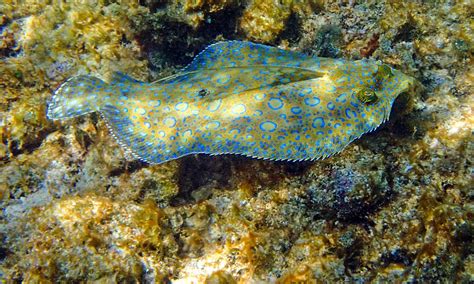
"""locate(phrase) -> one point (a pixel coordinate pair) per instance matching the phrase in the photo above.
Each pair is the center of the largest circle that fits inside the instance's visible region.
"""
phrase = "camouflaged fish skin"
(241, 98)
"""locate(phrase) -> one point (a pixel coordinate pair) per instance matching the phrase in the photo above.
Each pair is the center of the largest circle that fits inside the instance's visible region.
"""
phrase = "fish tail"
(78, 96)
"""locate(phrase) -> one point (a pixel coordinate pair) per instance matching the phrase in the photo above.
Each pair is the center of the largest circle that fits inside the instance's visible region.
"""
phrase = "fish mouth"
(407, 83)
(407, 96)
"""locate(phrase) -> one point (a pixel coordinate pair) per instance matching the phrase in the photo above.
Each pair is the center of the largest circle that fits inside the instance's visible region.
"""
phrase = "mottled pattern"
(242, 98)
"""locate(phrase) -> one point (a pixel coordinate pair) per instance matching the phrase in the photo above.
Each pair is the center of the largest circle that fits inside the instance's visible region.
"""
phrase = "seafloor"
(395, 206)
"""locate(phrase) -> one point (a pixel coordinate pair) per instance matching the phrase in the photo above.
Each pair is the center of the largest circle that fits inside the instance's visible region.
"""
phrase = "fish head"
(389, 83)
(373, 88)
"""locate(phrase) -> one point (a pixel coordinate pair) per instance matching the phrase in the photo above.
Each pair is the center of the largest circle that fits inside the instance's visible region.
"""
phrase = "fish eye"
(366, 96)
(383, 72)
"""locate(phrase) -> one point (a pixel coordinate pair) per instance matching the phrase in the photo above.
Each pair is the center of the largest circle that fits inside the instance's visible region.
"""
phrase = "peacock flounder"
(240, 98)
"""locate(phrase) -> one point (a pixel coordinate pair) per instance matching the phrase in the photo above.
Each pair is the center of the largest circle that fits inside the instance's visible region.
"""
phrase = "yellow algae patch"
(264, 20)
(93, 237)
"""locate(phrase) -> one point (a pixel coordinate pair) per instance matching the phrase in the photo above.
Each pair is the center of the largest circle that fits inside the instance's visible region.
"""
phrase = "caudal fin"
(77, 96)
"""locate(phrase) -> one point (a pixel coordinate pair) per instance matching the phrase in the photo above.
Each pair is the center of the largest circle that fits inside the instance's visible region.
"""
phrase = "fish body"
(240, 98)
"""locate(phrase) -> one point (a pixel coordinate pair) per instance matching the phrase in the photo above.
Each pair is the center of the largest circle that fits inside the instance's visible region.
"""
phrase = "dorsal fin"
(119, 77)
(241, 54)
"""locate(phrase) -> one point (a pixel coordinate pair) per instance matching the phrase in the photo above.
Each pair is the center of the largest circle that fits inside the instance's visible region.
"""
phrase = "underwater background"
(395, 206)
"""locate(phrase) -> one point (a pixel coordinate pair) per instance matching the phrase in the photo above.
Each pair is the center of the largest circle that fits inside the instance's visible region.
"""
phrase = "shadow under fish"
(240, 98)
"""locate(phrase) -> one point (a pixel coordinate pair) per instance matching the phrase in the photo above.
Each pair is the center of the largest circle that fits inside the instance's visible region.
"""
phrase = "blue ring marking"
(305, 91)
(350, 113)
(269, 126)
(213, 124)
(181, 106)
(238, 109)
(124, 98)
(331, 106)
(140, 110)
(187, 132)
(341, 98)
(223, 80)
(314, 101)
(214, 105)
(91, 96)
(354, 104)
(296, 110)
(170, 121)
(259, 112)
(147, 124)
(318, 122)
(260, 97)
(275, 103)
(125, 109)
(332, 89)
(337, 125)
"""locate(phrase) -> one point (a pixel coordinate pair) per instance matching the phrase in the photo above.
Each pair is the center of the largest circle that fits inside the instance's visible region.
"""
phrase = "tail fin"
(77, 96)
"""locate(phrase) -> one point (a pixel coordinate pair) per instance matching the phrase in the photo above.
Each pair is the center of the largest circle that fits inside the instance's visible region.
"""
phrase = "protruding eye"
(383, 72)
(367, 96)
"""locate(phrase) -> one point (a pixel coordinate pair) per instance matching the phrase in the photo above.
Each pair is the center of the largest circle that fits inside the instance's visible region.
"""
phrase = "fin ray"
(119, 77)
(239, 53)
(77, 96)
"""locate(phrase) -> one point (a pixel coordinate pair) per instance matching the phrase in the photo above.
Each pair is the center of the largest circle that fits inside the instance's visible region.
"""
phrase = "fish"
(239, 97)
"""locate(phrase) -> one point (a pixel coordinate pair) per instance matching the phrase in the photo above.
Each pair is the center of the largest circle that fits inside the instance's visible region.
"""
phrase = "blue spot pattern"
(237, 97)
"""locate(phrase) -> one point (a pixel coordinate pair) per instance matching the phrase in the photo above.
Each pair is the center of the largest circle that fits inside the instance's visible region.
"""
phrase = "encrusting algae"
(394, 206)
(264, 21)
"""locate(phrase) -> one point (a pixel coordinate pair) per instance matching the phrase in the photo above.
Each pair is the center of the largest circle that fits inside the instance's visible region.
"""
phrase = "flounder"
(240, 98)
